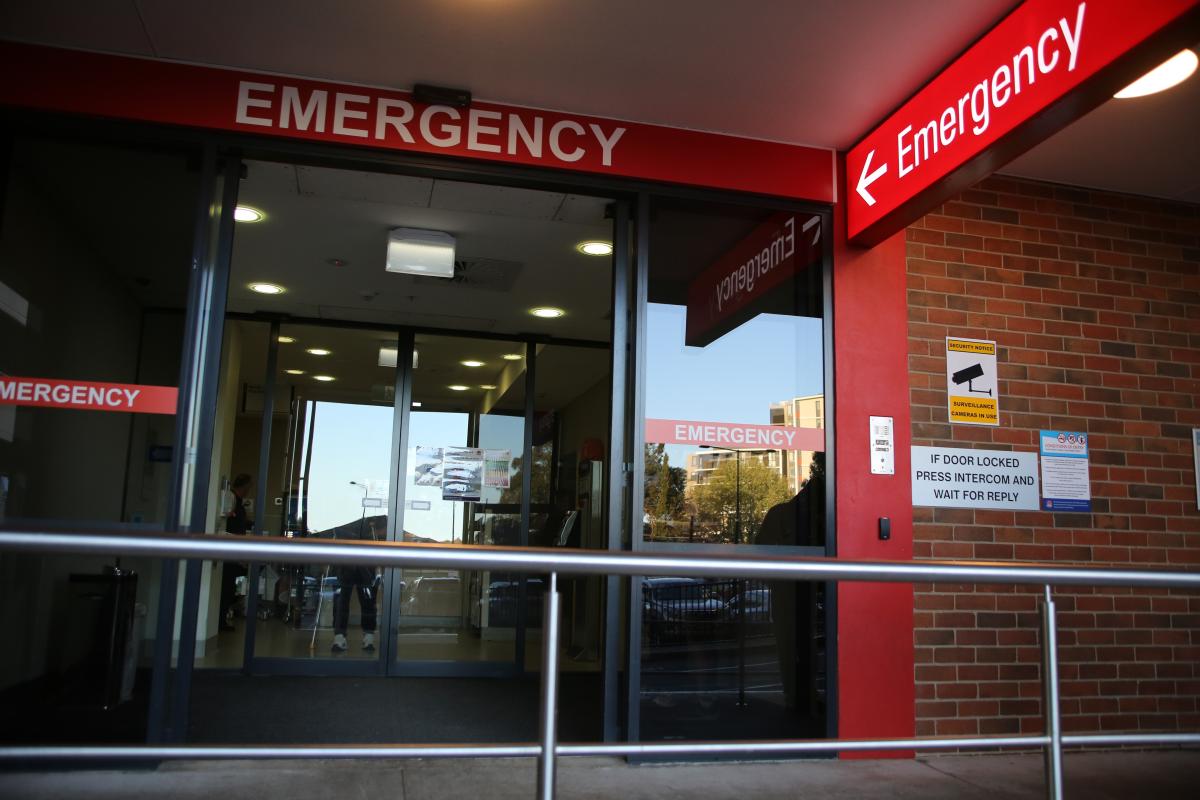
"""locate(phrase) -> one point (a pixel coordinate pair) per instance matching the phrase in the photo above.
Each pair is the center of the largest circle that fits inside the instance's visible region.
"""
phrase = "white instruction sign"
(955, 477)
(883, 456)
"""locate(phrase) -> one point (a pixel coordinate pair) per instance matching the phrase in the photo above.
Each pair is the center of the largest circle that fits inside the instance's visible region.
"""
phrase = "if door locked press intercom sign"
(972, 391)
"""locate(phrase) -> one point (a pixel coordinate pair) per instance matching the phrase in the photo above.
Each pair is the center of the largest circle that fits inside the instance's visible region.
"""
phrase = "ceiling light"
(1170, 73)
(411, 251)
(487, 387)
(247, 214)
(324, 378)
(285, 340)
(266, 288)
(595, 248)
(512, 356)
(416, 404)
(458, 387)
(471, 363)
(547, 312)
(294, 371)
(318, 351)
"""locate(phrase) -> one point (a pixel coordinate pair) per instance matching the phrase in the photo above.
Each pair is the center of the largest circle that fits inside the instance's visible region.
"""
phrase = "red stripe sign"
(733, 435)
(88, 395)
(298, 108)
(1045, 65)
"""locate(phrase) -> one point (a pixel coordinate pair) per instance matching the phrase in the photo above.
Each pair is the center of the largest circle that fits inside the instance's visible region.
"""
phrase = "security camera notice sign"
(972, 392)
(954, 477)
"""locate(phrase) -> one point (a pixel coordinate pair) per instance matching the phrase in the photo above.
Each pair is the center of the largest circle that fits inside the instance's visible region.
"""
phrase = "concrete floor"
(1089, 776)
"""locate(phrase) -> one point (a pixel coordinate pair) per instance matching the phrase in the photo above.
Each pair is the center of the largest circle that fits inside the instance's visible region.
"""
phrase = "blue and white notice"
(1065, 482)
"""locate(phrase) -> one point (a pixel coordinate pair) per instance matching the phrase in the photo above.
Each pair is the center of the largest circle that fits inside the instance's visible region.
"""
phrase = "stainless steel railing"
(576, 562)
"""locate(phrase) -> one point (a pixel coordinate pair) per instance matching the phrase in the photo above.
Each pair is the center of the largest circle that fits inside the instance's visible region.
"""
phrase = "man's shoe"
(339, 643)
(368, 641)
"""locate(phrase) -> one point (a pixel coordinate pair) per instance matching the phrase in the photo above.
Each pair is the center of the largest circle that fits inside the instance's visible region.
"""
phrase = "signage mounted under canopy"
(1043, 66)
(214, 98)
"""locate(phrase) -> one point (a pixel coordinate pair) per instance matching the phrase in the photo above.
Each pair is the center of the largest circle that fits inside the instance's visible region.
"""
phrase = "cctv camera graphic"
(968, 375)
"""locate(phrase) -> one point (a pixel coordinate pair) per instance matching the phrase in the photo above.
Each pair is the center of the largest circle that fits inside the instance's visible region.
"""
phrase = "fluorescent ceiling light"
(294, 371)
(247, 214)
(388, 356)
(471, 363)
(487, 387)
(412, 251)
(324, 378)
(318, 351)
(416, 404)
(1170, 73)
(547, 312)
(595, 248)
(266, 288)
(458, 387)
(285, 340)
(512, 356)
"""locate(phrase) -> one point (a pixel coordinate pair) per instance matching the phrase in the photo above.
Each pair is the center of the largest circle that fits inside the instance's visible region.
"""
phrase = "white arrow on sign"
(865, 180)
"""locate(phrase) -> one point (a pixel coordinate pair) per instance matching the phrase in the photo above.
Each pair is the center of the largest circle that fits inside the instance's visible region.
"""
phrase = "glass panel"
(93, 292)
(734, 457)
(463, 485)
(328, 476)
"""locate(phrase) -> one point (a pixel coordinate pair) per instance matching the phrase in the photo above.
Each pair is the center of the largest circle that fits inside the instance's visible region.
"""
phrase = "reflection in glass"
(733, 457)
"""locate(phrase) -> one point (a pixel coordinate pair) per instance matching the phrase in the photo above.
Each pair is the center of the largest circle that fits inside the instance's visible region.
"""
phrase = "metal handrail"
(577, 562)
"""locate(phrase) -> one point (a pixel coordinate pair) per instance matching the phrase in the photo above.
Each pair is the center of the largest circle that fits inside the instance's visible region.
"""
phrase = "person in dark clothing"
(236, 522)
(799, 522)
(363, 580)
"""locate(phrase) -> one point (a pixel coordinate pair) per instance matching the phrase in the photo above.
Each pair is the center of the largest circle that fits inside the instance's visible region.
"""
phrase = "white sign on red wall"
(1043, 66)
(299, 108)
(88, 395)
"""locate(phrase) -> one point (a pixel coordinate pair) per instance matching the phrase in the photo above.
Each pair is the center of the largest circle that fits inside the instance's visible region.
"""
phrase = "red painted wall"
(875, 621)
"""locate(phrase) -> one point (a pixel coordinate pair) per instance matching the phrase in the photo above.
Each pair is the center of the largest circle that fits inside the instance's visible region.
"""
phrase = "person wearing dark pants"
(238, 523)
(365, 581)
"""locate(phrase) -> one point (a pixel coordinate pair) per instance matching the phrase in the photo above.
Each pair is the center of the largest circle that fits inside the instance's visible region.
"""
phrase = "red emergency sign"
(1045, 65)
(734, 435)
(89, 395)
(174, 93)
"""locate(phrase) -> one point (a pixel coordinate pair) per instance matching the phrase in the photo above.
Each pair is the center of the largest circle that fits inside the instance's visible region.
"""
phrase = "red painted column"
(875, 621)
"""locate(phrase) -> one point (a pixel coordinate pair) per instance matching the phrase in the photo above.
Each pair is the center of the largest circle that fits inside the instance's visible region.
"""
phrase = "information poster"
(462, 473)
(972, 391)
(1065, 482)
(496, 467)
(428, 467)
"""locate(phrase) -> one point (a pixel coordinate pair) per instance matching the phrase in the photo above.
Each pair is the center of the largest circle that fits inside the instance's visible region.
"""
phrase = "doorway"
(364, 403)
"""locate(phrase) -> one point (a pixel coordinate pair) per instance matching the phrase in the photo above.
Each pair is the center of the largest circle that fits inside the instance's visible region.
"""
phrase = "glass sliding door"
(463, 479)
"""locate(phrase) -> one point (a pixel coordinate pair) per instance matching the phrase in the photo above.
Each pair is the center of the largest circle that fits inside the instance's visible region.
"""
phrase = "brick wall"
(1094, 301)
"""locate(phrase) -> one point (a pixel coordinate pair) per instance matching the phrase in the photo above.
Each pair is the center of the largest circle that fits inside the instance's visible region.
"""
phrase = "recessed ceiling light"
(324, 378)
(547, 312)
(247, 214)
(595, 248)
(471, 363)
(416, 404)
(285, 340)
(512, 356)
(458, 387)
(487, 387)
(1171, 72)
(318, 351)
(294, 371)
(266, 288)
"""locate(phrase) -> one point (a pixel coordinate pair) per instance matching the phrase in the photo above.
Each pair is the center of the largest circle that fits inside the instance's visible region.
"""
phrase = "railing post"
(1054, 782)
(547, 759)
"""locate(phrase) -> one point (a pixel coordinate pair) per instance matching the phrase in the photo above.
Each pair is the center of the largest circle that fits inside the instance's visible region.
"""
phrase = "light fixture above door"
(412, 251)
